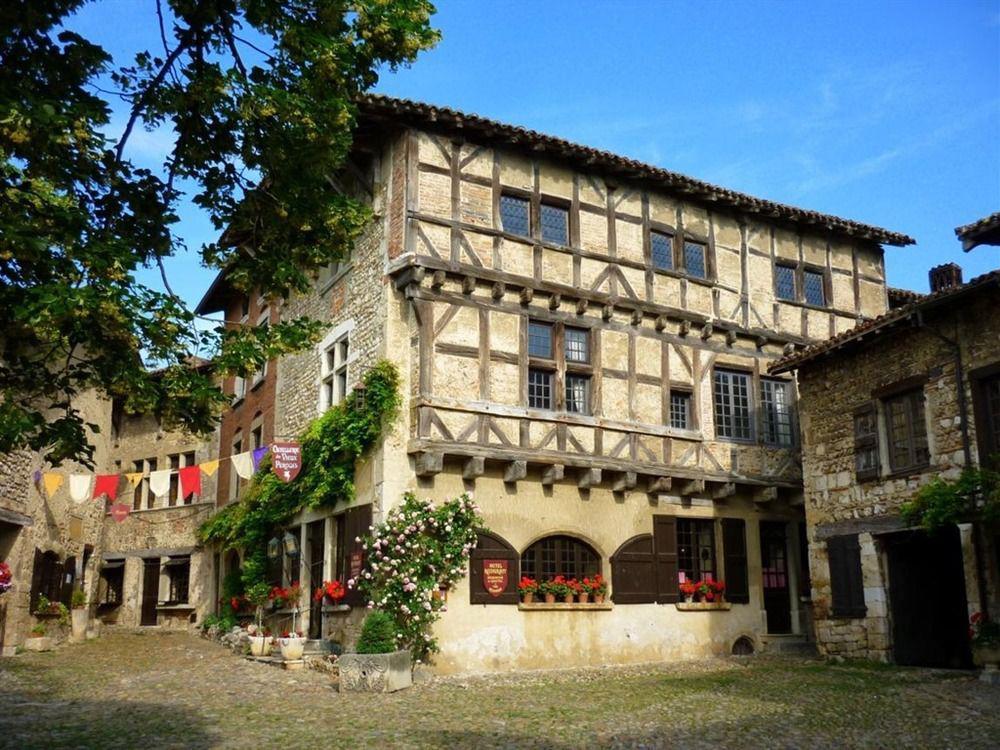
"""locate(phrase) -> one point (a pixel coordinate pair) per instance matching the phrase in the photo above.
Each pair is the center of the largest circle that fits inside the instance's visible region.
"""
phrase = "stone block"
(375, 673)
(45, 643)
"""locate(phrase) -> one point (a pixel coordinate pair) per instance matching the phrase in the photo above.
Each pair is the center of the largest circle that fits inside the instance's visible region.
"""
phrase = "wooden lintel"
(429, 463)
(554, 301)
(527, 293)
(657, 485)
(468, 284)
(515, 471)
(553, 474)
(690, 487)
(626, 480)
(475, 466)
(722, 491)
(765, 495)
(588, 478)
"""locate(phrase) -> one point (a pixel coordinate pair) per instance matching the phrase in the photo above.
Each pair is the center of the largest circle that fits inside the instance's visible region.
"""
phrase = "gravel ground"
(155, 690)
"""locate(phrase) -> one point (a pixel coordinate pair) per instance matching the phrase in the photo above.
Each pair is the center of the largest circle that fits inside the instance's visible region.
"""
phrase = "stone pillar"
(328, 548)
(970, 567)
(304, 581)
(792, 555)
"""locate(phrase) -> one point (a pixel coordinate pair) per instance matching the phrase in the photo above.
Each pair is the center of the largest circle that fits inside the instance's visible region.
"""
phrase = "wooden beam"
(588, 478)
(722, 491)
(690, 487)
(553, 474)
(624, 481)
(429, 463)
(657, 485)
(516, 470)
(765, 494)
(474, 467)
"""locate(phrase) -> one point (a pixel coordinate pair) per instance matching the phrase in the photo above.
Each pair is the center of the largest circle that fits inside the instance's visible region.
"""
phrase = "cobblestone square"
(158, 690)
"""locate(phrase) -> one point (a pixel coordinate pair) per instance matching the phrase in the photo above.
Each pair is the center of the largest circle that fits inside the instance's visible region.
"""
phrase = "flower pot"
(260, 645)
(568, 599)
(598, 598)
(550, 598)
(984, 656)
(292, 648)
(688, 598)
(79, 617)
(583, 597)
(529, 597)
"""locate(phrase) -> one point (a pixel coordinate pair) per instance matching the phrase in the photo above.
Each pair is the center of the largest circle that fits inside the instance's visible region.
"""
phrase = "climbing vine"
(410, 557)
(974, 496)
(331, 445)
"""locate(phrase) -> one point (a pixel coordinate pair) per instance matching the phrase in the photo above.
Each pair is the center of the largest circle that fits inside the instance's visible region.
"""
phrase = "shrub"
(79, 599)
(378, 634)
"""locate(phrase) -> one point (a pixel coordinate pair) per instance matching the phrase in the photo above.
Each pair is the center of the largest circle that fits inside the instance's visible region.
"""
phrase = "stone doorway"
(775, 573)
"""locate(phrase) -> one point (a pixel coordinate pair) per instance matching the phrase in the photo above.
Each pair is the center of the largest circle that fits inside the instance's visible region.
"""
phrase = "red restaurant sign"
(286, 460)
(495, 576)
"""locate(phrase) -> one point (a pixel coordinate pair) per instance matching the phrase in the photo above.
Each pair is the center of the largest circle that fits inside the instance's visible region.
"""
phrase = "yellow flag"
(210, 467)
(52, 481)
(134, 478)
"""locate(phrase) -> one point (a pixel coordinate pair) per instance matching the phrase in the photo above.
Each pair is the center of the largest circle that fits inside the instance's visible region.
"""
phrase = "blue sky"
(882, 112)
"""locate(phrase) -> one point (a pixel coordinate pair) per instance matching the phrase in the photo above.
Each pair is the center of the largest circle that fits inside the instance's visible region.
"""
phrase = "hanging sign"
(286, 460)
(357, 558)
(120, 511)
(495, 576)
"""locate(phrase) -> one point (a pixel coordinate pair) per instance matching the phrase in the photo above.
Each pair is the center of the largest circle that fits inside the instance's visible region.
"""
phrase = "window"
(331, 271)
(732, 405)
(138, 467)
(680, 410)
(175, 480)
(178, 572)
(694, 259)
(514, 215)
(784, 282)
(257, 433)
(244, 308)
(866, 463)
(539, 340)
(559, 556)
(239, 387)
(234, 478)
(112, 582)
(187, 459)
(555, 224)
(578, 394)
(812, 285)
(906, 430)
(986, 411)
(577, 345)
(46, 578)
(846, 582)
(262, 322)
(695, 550)
(991, 397)
(776, 403)
(540, 389)
(334, 373)
(661, 246)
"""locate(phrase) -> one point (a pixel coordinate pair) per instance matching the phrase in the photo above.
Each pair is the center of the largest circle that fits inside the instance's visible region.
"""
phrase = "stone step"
(791, 645)
(315, 646)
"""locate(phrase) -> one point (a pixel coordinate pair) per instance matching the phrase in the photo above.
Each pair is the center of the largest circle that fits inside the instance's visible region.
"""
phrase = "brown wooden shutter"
(633, 572)
(665, 553)
(493, 547)
(356, 523)
(846, 585)
(734, 552)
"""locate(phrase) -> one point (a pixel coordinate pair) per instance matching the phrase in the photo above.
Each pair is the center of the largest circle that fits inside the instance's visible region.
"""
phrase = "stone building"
(885, 407)
(584, 342)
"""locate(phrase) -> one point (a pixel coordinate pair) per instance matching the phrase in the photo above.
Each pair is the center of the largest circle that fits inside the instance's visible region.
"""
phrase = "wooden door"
(774, 568)
(150, 590)
(316, 539)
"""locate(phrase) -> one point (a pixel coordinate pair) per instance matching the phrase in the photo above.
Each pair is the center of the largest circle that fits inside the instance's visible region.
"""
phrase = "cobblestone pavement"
(156, 690)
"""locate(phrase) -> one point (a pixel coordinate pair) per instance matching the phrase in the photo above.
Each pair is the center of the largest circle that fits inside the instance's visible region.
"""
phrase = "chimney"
(945, 276)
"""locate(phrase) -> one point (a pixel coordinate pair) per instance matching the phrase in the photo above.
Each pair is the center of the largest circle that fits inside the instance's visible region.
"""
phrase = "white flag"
(159, 482)
(79, 487)
(243, 463)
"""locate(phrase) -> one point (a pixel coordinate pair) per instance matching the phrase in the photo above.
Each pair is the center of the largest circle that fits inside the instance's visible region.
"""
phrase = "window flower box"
(565, 607)
(703, 606)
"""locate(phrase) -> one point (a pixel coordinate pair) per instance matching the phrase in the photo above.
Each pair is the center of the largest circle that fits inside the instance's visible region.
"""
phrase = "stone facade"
(915, 352)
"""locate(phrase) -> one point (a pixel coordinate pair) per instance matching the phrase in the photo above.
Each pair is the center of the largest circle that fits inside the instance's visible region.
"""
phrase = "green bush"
(78, 599)
(378, 634)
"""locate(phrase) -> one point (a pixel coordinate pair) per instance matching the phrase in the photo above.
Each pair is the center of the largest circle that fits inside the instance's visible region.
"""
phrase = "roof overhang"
(986, 231)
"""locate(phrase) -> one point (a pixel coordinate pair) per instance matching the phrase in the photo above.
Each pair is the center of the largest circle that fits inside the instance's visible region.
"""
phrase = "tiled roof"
(439, 119)
(899, 297)
(876, 326)
(986, 231)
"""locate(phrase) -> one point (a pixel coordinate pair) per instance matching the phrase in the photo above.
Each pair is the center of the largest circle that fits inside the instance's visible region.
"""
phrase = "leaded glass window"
(577, 345)
(784, 282)
(578, 394)
(812, 284)
(539, 389)
(732, 405)
(515, 215)
(695, 549)
(680, 410)
(775, 400)
(694, 259)
(555, 224)
(661, 245)
(540, 340)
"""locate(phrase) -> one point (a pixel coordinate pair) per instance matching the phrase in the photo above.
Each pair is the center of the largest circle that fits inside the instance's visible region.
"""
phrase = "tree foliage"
(260, 98)
(973, 496)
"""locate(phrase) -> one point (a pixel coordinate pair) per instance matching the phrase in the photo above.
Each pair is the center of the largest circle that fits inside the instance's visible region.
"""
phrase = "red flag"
(120, 511)
(106, 484)
(190, 480)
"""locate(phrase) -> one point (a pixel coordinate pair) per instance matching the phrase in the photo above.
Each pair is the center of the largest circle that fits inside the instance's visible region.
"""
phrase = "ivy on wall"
(331, 445)
(974, 496)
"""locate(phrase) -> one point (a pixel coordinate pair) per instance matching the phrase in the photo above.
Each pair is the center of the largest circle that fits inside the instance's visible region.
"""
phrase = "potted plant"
(285, 597)
(292, 645)
(377, 665)
(597, 587)
(985, 637)
(710, 591)
(528, 587)
(688, 589)
(6, 578)
(580, 590)
(38, 640)
(331, 591)
(260, 643)
(560, 590)
(545, 589)
(80, 615)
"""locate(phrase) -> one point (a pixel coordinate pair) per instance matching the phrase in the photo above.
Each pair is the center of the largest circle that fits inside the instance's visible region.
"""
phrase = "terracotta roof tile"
(986, 231)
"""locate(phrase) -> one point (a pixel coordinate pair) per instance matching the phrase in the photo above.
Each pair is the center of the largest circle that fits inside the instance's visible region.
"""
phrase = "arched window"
(559, 556)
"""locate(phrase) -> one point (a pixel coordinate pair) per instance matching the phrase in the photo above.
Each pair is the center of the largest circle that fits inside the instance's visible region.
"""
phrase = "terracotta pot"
(529, 597)
(568, 599)
(550, 598)
(598, 598)
(688, 597)
(583, 597)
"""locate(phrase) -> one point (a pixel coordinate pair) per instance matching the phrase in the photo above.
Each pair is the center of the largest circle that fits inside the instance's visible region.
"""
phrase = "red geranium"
(332, 590)
(527, 585)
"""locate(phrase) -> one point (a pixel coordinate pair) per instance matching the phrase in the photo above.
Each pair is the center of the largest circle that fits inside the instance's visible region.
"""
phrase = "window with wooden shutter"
(492, 547)
(734, 551)
(633, 572)
(986, 410)
(665, 558)
(846, 584)
(351, 552)
(906, 431)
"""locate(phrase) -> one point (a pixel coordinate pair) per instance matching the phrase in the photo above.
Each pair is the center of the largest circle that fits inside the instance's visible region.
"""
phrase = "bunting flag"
(190, 481)
(159, 482)
(38, 476)
(258, 456)
(210, 467)
(106, 484)
(79, 487)
(243, 463)
(52, 482)
(134, 477)
(120, 511)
